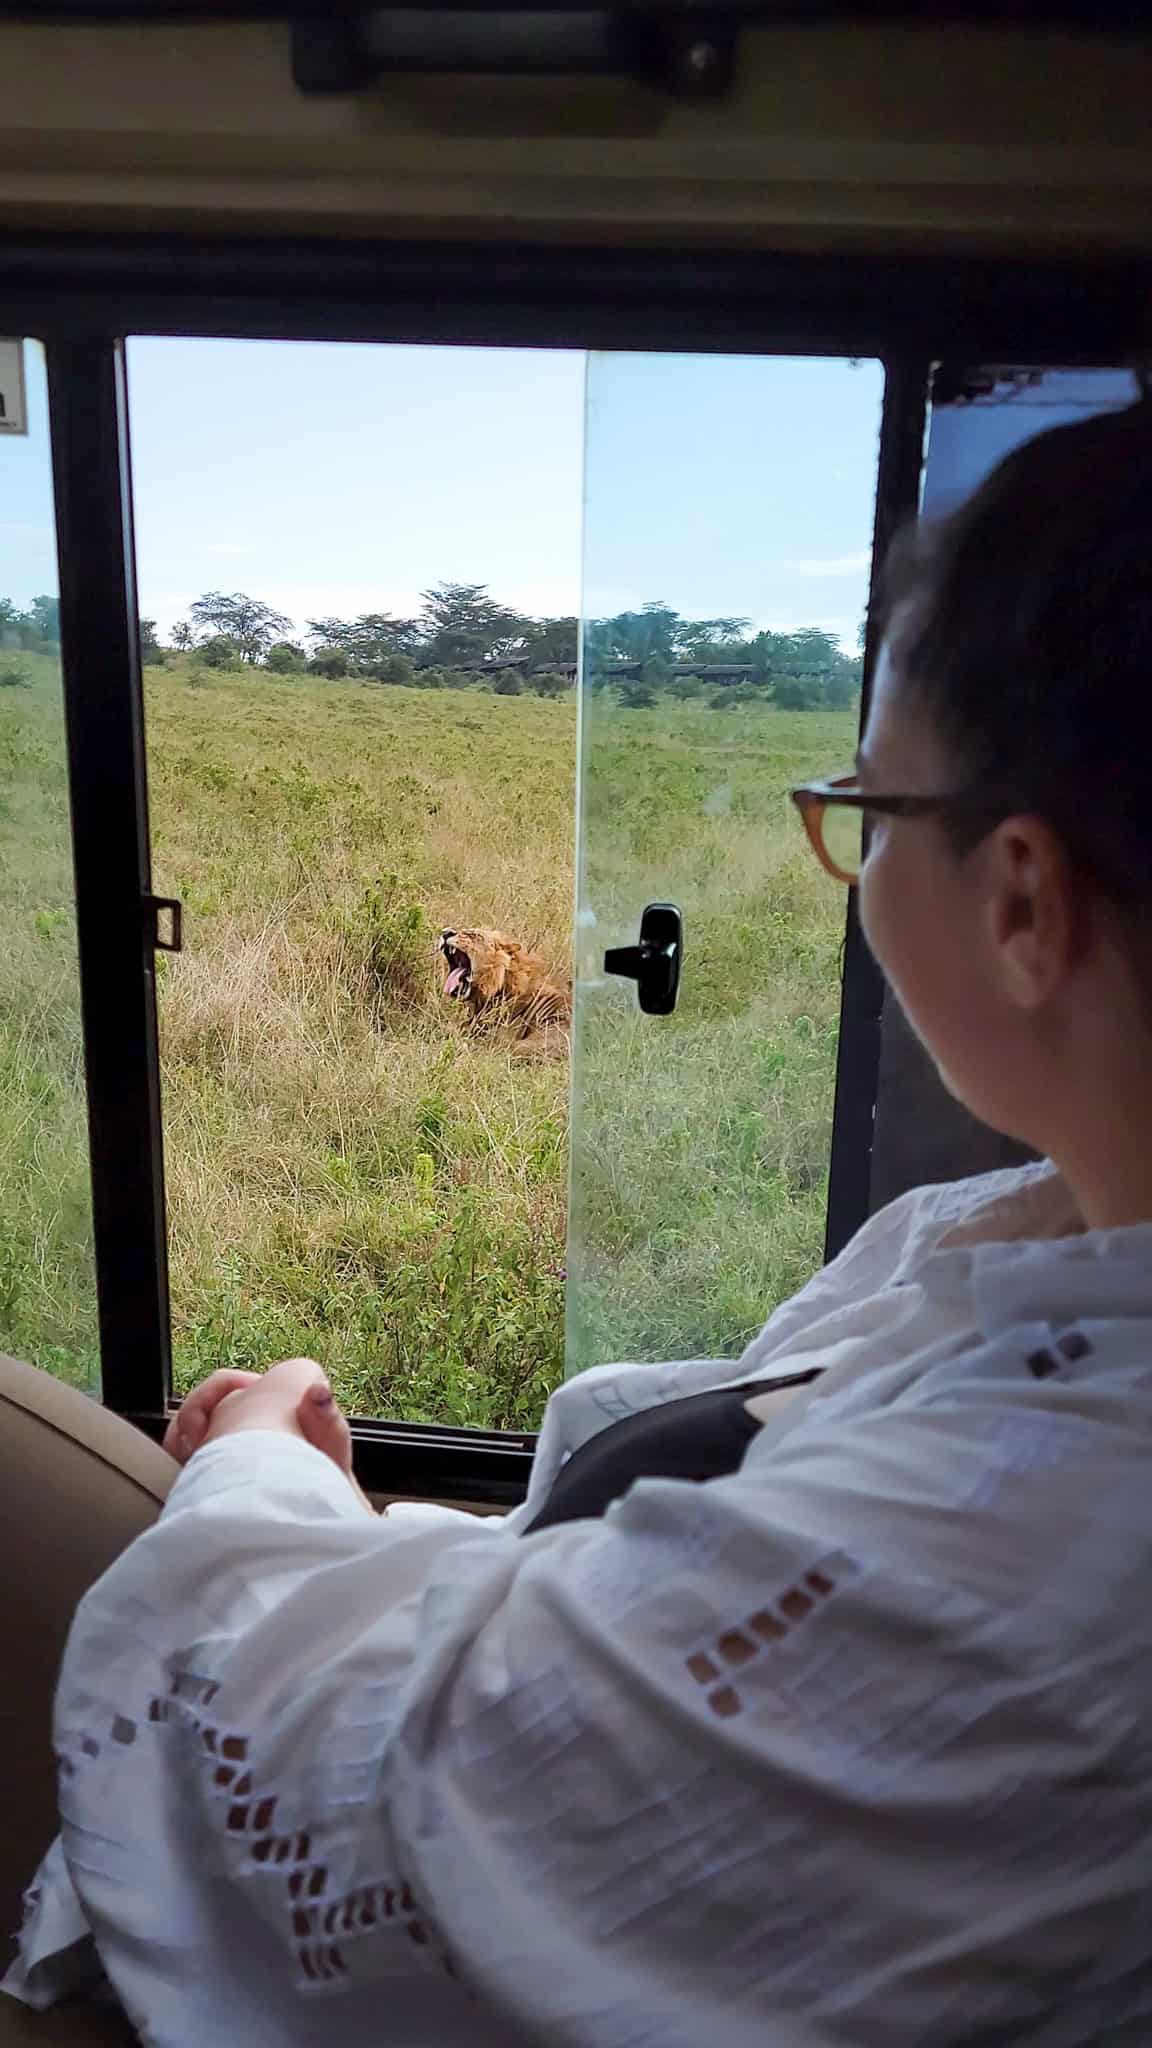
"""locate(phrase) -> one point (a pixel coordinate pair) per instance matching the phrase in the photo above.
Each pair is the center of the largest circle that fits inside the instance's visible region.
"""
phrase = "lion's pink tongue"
(452, 985)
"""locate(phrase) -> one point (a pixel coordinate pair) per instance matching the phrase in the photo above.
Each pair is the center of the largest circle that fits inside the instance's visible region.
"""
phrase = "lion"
(501, 982)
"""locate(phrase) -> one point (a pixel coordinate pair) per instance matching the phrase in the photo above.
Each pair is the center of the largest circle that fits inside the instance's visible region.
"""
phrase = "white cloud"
(834, 565)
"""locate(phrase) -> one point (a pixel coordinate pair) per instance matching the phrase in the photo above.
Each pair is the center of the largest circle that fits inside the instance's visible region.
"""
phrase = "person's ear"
(1034, 912)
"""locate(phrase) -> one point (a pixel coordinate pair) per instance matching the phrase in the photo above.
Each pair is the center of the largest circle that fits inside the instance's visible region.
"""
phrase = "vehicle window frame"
(84, 296)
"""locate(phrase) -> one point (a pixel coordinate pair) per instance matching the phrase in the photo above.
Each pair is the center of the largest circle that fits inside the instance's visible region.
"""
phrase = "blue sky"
(27, 531)
(339, 479)
(344, 478)
(732, 485)
(965, 442)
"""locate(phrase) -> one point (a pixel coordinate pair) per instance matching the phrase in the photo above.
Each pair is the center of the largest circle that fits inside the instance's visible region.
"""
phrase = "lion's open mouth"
(459, 979)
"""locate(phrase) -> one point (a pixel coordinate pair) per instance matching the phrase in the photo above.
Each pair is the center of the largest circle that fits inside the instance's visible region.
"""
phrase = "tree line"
(460, 634)
(654, 651)
(34, 631)
(462, 637)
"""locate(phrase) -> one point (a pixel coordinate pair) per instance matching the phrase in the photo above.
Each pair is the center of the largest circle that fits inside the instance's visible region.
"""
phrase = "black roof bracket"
(686, 48)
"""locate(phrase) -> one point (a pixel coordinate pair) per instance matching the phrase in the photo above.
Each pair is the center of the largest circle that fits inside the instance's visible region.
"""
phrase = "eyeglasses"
(834, 813)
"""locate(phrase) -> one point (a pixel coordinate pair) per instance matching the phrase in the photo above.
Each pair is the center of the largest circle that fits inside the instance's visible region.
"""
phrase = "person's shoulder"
(884, 1253)
(922, 1216)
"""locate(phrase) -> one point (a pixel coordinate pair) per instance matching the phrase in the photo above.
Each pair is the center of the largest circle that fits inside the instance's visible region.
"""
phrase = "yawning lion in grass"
(501, 983)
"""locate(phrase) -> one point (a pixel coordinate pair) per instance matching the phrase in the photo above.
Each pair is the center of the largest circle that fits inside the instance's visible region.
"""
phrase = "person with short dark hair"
(806, 1699)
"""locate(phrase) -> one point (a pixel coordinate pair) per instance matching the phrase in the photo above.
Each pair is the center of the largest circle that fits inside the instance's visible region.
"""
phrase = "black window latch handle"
(654, 964)
(164, 924)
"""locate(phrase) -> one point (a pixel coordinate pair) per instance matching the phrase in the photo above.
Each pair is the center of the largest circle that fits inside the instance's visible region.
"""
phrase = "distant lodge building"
(724, 674)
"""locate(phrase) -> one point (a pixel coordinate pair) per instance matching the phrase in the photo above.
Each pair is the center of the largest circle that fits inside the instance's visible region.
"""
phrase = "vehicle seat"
(76, 1485)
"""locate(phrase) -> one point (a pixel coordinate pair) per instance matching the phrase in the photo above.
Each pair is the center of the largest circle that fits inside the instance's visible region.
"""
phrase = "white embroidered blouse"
(853, 1746)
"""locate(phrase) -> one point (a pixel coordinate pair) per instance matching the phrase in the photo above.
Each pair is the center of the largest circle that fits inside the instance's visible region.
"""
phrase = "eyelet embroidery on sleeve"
(1072, 1346)
(1042, 1364)
(323, 1931)
(328, 1936)
(320, 1928)
(747, 1642)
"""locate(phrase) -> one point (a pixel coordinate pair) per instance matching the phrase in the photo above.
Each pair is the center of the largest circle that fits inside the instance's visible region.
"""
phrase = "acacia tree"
(646, 635)
(151, 652)
(552, 640)
(44, 613)
(706, 640)
(38, 627)
(252, 624)
(809, 670)
(372, 643)
(463, 627)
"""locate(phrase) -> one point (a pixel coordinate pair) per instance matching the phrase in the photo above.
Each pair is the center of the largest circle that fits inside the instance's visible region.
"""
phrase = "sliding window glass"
(728, 528)
(47, 1276)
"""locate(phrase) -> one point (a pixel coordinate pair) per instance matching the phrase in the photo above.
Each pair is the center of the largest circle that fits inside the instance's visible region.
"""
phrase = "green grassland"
(700, 1161)
(47, 1280)
(347, 1173)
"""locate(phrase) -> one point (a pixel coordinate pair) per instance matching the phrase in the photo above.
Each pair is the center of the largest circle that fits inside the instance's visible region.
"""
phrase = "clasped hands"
(293, 1397)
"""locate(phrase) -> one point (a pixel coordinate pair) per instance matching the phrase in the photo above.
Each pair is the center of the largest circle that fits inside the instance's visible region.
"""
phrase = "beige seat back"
(66, 2026)
(76, 1485)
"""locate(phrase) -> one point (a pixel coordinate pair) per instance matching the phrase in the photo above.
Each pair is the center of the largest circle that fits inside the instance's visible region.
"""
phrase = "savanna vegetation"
(348, 1175)
(47, 1282)
(463, 638)
(701, 1140)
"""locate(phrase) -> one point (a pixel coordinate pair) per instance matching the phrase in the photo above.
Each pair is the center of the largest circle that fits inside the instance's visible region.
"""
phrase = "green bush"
(286, 659)
(387, 946)
(332, 663)
(220, 652)
(796, 693)
(549, 683)
(14, 677)
(509, 683)
(393, 668)
(152, 655)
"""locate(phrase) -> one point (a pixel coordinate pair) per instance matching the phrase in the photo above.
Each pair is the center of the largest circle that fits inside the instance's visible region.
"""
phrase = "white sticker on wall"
(13, 404)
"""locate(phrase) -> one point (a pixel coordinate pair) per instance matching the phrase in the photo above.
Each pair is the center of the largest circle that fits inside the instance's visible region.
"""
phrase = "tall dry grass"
(47, 1274)
(347, 1174)
(702, 1139)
